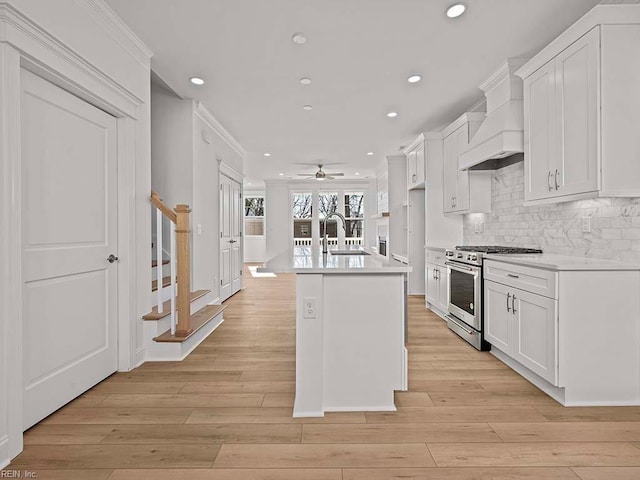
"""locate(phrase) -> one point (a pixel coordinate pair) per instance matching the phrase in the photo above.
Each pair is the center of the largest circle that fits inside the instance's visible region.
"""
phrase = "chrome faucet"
(325, 242)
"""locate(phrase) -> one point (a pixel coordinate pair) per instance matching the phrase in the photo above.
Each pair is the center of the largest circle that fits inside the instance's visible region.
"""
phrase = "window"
(302, 208)
(254, 216)
(328, 202)
(354, 214)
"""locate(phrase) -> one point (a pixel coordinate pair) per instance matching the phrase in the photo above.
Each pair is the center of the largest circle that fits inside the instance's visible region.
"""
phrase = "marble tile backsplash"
(556, 228)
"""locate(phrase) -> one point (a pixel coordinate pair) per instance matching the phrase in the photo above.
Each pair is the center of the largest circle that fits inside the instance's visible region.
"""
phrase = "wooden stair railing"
(180, 255)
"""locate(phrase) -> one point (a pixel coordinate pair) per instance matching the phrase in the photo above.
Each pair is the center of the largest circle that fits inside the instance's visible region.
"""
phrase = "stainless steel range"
(464, 265)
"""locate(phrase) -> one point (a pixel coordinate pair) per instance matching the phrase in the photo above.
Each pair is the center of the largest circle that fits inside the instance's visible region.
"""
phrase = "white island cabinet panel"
(364, 361)
(350, 329)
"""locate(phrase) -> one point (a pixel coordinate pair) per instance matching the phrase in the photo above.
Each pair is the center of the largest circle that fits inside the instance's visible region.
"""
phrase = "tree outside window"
(354, 214)
(254, 216)
(328, 202)
(302, 209)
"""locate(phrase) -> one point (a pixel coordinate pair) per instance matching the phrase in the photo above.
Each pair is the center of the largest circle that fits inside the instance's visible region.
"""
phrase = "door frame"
(24, 44)
(230, 172)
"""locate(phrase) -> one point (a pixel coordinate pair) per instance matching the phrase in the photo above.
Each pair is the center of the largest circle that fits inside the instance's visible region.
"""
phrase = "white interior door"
(69, 229)
(230, 237)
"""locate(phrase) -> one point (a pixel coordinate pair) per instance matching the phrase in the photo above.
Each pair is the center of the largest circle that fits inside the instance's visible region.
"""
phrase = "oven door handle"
(461, 269)
(457, 323)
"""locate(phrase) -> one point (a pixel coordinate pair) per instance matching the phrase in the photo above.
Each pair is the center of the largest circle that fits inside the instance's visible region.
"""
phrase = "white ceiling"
(358, 54)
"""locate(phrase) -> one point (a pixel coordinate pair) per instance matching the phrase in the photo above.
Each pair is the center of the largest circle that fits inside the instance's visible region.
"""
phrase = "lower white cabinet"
(437, 283)
(523, 325)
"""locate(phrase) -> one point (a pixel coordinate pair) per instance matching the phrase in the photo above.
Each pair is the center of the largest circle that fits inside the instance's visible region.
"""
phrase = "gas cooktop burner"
(496, 249)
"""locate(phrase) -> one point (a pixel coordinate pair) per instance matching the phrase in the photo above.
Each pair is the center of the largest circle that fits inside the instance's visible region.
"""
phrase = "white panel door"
(69, 229)
(230, 237)
(226, 240)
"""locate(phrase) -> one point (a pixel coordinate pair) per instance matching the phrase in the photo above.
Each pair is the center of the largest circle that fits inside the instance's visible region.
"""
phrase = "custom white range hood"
(501, 134)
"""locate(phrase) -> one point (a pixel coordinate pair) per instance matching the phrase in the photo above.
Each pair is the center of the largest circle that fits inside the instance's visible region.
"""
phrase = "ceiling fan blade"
(336, 174)
(328, 177)
(307, 174)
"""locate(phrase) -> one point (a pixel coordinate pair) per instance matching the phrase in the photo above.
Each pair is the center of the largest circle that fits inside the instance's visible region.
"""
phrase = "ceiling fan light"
(320, 179)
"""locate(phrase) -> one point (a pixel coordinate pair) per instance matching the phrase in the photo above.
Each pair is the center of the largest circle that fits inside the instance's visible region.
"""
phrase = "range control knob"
(474, 257)
(459, 255)
(469, 257)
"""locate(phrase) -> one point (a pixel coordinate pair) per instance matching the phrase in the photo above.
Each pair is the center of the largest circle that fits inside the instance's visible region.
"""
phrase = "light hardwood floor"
(224, 413)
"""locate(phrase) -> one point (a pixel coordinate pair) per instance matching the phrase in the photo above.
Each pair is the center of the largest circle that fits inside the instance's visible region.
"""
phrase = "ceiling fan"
(320, 175)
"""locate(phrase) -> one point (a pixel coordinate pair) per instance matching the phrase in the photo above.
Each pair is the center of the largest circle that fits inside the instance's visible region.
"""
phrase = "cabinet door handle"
(557, 178)
(508, 297)
(414, 177)
(549, 181)
(437, 274)
(513, 304)
(512, 275)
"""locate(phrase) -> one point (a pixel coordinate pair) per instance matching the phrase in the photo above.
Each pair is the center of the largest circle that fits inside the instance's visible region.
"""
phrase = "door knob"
(112, 258)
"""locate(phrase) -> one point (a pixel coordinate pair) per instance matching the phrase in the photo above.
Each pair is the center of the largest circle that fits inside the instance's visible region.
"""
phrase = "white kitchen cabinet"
(436, 281)
(561, 123)
(550, 318)
(535, 333)
(498, 322)
(581, 103)
(524, 326)
(415, 167)
(464, 191)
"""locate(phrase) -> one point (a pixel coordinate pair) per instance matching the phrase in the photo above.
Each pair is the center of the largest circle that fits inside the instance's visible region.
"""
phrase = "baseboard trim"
(4, 452)
(554, 392)
(140, 356)
(307, 414)
(366, 408)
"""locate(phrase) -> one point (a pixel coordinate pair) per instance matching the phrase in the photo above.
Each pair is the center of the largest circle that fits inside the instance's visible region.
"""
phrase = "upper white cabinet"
(415, 163)
(464, 191)
(581, 109)
(561, 116)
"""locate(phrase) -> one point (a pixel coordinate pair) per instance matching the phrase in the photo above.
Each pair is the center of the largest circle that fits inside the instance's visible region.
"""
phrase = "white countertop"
(311, 260)
(550, 261)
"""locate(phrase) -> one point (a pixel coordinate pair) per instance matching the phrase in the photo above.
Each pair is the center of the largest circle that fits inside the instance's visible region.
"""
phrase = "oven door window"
(462, 290)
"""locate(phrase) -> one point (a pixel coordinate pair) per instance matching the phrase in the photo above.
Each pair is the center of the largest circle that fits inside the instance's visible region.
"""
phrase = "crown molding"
(217, 127)
(19, 31)
(413, 144)
(117, 29)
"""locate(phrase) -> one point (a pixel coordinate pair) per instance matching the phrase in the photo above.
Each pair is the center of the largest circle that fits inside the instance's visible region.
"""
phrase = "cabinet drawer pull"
(508, 297)
(549, 181)
(513, 304)
(557, 178)
(512, 275)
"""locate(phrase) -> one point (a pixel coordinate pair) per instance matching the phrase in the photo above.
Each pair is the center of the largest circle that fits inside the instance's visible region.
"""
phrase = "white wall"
(186, 151)
(206, 209)
(277, 218)
(118, 79)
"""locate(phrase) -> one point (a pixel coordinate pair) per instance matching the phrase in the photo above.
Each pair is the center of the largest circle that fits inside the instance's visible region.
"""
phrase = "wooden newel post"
(183, 328)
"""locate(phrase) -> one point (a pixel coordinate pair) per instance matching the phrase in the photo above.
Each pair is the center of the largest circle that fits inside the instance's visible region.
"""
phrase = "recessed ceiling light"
(357, 173)
(299, 38)
(267, 154)
(456, 10)
(248, 183)
(196, 81)
(370, 153)
(281, 174)
(392, 114)
(414, 78)
(307, 107)
(305, 81)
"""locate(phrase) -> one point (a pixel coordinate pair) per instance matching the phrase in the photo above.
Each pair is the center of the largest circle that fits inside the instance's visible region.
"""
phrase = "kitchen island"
(350, 329)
